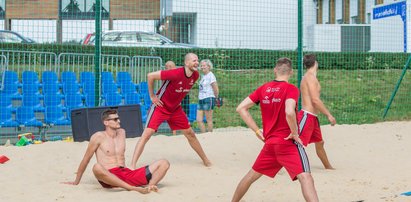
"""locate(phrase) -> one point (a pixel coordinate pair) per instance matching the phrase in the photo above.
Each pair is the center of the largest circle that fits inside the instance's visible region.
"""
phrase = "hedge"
(234, 58)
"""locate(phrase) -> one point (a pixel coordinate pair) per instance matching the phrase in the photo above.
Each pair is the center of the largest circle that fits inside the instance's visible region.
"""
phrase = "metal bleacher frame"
(3, 68)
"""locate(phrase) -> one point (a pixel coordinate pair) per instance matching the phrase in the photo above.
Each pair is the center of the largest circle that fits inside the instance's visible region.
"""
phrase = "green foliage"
(232, 59)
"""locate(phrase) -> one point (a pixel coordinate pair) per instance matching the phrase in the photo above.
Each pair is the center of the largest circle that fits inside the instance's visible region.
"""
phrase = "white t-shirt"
(206, 90)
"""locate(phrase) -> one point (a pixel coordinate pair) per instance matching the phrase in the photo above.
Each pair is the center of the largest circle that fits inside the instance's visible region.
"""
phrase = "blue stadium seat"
(68, 77)
(123, 77)
(132, 98)
(31, 88)
(11, 88)
(107, 77)
(11, 84)
(52, 99)
(49, 77)
(26, 117)
(143, 87)
(143, 113)
(6, 118)
(90, 99)
(6, 100)
(51, 88)
(112, 99)
(30, 83)
(109, 87)
(30, 77)
(88, 88)
(192, 116)
(50, 82)
(127, 87)
(70, 87)
(73, 101)
(55, 116)
(146, 100)
(87, 77)
(11, 77)
(69, 82)
(32, 100)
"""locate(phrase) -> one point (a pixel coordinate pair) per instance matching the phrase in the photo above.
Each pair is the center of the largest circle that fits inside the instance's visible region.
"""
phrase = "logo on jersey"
(182, 90)
(266, 100)
(191, 82)
(180, 83)
(276, 100)
(269, 89)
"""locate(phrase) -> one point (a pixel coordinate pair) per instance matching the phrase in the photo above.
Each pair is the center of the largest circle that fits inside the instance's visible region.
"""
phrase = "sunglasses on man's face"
(114, 119)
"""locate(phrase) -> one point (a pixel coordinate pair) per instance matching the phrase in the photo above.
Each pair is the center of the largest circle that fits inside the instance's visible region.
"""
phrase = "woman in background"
(208, 92)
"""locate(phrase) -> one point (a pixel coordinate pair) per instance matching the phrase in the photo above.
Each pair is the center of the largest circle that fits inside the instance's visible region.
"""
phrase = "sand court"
(372, 162)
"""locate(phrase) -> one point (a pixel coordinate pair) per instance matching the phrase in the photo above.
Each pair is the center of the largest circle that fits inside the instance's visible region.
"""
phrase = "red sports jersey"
(175, 87)
(272, 97)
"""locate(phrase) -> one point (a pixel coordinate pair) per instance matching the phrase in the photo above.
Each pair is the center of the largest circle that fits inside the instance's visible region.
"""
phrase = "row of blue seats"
(66, 77)
(50, 86)
(71, 100)
(53, 116)
(25, 117)
(58, 115)
(69, 83)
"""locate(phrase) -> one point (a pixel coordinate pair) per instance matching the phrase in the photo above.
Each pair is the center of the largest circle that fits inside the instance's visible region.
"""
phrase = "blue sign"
(395, 9)
(390, 10)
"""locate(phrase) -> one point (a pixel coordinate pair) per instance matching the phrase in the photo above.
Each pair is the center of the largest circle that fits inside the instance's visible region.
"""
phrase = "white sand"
(372, 161)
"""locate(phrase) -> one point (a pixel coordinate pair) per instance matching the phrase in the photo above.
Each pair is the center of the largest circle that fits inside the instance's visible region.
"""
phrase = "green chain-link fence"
(361, 48)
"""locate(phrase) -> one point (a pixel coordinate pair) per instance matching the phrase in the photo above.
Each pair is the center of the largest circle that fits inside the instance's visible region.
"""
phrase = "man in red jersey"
(166, 105)
(310, 130)
(282, 145)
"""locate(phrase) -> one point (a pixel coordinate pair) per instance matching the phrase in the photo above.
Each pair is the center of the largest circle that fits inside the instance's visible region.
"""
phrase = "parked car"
(89, 39)
(7, 36)
(135, 39)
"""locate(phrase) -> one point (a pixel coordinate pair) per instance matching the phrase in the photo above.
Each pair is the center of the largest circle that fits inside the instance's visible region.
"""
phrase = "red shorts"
(137, 177)
(177, 120)
(309, 128)
(275, 156)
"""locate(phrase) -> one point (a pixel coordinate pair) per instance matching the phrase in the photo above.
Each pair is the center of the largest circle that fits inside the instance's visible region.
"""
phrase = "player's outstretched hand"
(70, 183)
(332, 120)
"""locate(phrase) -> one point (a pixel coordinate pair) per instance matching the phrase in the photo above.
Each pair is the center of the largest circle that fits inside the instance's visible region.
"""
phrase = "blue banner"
(390, 10)
(394, 9)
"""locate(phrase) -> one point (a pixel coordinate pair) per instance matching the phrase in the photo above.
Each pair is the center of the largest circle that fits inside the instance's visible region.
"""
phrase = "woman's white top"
(206, 90)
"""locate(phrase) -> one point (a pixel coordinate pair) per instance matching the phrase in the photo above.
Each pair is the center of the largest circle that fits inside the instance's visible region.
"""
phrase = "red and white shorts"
(309, 127)
(275, 156)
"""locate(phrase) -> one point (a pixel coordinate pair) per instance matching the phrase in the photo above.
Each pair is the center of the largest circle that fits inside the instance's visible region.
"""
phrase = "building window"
(355, 20)
(378, 2)
(368, 18)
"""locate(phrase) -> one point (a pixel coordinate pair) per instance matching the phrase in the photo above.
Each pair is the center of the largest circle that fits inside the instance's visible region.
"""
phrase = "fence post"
(300, 46)
(97, 52)
(397, 86)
